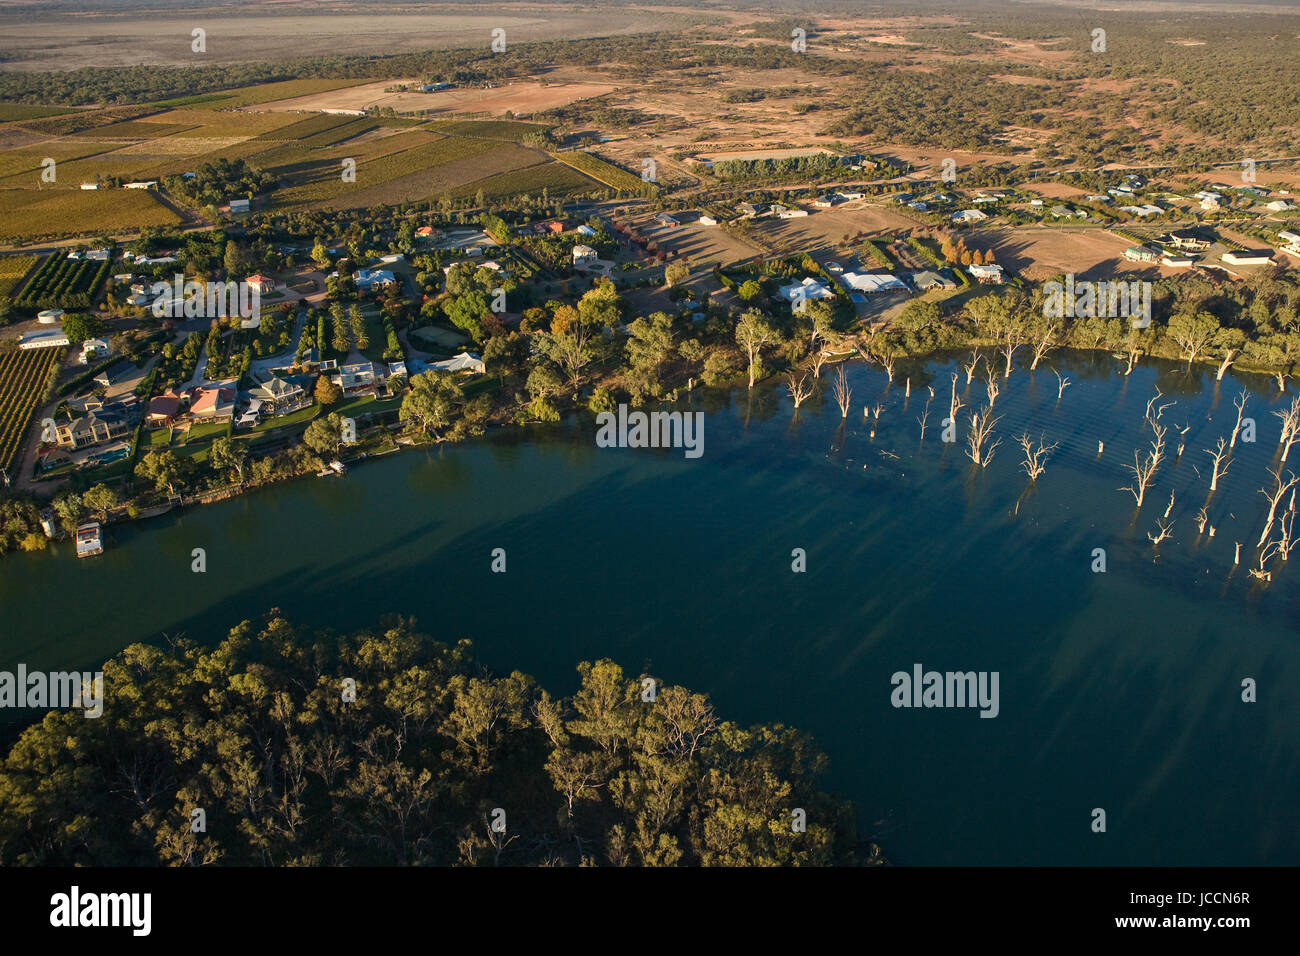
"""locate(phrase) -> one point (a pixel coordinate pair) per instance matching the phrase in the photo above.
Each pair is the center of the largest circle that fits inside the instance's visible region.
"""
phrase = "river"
(1119, 690)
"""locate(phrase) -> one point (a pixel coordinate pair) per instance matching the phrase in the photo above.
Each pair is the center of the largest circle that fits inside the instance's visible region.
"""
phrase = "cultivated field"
(26, 214)
(12, 270)
(22, 381)
(522, 98)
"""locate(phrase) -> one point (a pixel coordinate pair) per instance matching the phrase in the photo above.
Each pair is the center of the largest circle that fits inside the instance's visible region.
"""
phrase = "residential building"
(809, 288)
(928, 279)
(968, 215)
(212, 403)
(991, 273)
(370, 279)
(280, 396)
(1177, 260)
(163, 410)
(260, 284)
(583, 254)
(94, 428)
(872, 282)
(1188, 239)
(355, 378)
(463, 362)
(1140, 254)
(239, 205)
(666, 219)
(1279, 205)
(92, 350)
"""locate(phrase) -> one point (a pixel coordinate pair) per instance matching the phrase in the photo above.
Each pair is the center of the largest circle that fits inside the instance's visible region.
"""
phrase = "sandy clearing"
(522, 98)
(1039, 253)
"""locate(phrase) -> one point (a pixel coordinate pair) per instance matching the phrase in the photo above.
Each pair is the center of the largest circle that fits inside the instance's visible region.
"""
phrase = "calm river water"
(1119, 690)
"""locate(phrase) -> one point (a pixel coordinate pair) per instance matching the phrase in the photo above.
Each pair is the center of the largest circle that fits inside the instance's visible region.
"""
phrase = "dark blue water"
(1119, 691)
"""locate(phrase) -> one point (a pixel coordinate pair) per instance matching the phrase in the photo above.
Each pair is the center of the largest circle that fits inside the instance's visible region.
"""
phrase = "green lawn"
(366, 405)
(207, 431)
(300, 417)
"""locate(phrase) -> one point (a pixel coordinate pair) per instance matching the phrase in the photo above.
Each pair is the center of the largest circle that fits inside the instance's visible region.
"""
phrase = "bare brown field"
(1038, 253)
(522, 98)
(699, 244)
(1056, 190)
(826, 231)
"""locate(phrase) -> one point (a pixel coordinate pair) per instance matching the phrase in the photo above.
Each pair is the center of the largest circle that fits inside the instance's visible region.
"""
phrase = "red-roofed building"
(162, 410)
(212, 403)
(261, 284)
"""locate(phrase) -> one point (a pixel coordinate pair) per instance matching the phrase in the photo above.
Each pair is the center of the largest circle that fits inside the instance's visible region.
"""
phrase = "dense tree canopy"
(261, 734)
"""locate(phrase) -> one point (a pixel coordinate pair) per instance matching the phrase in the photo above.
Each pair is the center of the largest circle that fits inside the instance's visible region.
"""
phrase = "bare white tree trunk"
(981, 428)
(800, 387)
(1290, 426)
(1280, 488)
(843, 393)
(1035, 462)
(1240, 402)
(1220, 455)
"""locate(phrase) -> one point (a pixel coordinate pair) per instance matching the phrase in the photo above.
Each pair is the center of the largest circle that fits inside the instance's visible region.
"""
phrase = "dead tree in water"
(1062, 383)
(955, 405)
(1219, 453)
(981, 428)
(994, 387)
(1144, 469)
(975, 359)
(843, 393)
(1229, 355)
(1240, 402)
(875, 418)
(1164, 526)
(1274, 498)
(1290, 426)
(799, 386)
(1133, 353)
(925, 417)
(1035, 462)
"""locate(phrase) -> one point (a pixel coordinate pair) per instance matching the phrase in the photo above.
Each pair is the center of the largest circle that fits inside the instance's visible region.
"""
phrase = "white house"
(809, 288)
(707, 220)
(872, 282)
(969, 215)
(1289, 235)
(1279, 205)
(583, 254)
(987, 273)
(93, 349)
(1142, 211)
(464, 362)
(585, 230)
(260, 284)
(239, 205)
